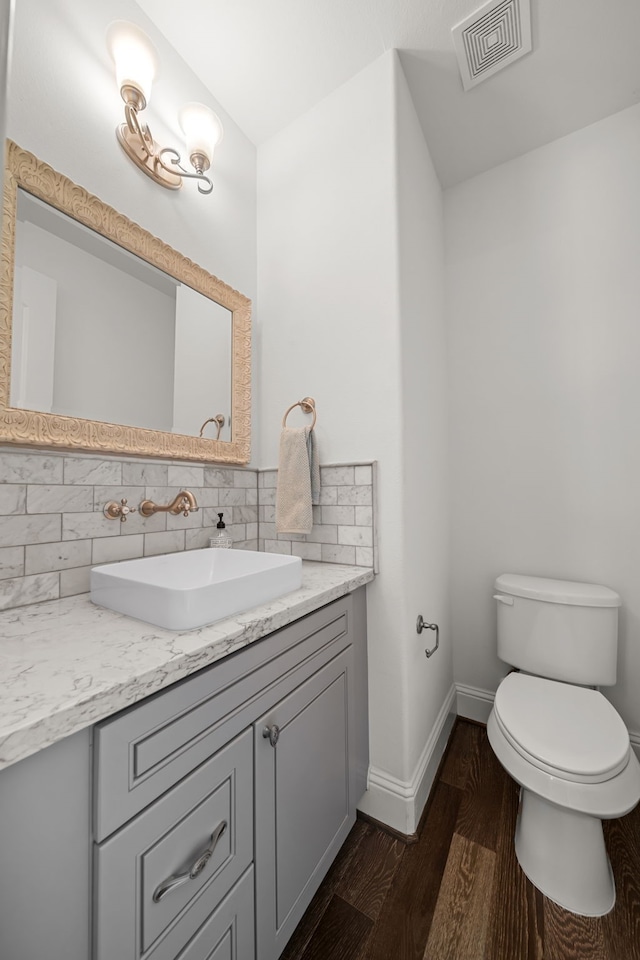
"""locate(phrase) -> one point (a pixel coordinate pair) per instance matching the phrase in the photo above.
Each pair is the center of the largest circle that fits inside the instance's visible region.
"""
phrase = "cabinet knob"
(273, 733)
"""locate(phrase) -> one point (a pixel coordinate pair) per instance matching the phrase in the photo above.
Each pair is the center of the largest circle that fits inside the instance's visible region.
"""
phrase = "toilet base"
(563, 854)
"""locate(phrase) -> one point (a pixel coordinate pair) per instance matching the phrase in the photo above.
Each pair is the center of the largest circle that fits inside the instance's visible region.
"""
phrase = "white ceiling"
(269, 61)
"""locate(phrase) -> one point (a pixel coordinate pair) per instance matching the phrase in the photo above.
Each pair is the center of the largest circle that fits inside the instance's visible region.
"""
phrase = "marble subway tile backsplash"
(344, 529)
(52, 528)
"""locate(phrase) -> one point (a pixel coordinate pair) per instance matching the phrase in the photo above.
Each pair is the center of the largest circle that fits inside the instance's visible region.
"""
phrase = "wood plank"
(371, 872)
(403, 924)
(412, 907)
(461, 749)
(342, 935)
(461, 919)
(406, 838)
(477, 820)
(517, 923)
(621, 927)
(568, 936)
(314, 913)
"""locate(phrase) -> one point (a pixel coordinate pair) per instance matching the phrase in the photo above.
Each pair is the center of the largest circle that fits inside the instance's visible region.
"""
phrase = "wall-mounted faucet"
(183, 502)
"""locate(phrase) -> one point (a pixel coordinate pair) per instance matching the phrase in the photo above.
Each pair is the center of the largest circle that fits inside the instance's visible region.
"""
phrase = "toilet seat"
(569, 732)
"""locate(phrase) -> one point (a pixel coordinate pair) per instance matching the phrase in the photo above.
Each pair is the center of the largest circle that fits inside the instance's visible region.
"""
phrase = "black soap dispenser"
(222, 538)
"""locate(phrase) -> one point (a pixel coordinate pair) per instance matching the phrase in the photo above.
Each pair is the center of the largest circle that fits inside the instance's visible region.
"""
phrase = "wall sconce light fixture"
(136, 63)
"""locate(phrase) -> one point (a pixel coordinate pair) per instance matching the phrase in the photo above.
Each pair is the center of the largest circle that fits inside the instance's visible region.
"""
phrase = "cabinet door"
(305, 803)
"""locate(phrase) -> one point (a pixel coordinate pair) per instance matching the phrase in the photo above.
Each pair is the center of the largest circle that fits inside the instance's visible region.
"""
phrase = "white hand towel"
(298, 461)
(314, 465)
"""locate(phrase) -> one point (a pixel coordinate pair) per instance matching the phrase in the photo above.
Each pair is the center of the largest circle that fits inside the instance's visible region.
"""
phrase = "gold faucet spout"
(183, 502)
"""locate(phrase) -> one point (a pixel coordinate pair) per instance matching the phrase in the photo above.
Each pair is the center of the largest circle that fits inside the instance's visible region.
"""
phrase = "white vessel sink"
(181, 591)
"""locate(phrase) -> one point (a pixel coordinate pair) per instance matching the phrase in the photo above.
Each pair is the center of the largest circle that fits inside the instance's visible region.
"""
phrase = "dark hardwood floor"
(458, 893)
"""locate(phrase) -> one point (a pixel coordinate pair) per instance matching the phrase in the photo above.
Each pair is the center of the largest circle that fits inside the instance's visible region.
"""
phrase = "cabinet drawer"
(230, 928)
(137, 901)
(144, 751)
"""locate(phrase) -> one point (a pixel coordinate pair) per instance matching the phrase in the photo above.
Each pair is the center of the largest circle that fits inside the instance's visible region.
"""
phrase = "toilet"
(558, 737)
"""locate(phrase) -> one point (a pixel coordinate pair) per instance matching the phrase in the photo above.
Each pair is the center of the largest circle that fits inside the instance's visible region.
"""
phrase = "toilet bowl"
(569, 750)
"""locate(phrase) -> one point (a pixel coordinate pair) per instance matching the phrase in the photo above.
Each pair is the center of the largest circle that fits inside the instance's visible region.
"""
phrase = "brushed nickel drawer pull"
(195, 869)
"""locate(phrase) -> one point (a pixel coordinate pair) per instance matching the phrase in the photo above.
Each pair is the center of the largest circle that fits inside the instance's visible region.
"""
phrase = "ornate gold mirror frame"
(31, 428)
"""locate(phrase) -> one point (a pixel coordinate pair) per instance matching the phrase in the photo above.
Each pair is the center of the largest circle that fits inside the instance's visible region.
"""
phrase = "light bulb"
(134, 55)
(202, 129)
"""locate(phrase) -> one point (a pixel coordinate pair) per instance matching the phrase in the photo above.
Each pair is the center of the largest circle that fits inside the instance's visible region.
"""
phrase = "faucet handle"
(186, 506)
(114, 510)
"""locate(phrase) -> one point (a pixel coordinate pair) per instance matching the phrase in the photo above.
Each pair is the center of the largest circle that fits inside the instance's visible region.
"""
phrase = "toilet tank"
(558, 628)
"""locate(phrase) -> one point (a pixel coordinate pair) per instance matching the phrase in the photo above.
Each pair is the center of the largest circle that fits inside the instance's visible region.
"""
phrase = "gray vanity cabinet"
(209, 812)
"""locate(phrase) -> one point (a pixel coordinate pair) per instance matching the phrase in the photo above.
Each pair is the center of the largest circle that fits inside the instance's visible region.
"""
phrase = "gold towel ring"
(219, 420)
(307, 404)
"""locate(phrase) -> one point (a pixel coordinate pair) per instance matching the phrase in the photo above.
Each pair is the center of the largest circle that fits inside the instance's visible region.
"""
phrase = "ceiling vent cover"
(492, 38)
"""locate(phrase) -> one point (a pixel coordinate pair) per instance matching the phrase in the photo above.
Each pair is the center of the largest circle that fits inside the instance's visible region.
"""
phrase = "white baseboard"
(474, 703)
(400, 803)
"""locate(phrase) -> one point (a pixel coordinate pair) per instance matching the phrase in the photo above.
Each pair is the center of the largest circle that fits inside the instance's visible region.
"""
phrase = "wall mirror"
(110, 340)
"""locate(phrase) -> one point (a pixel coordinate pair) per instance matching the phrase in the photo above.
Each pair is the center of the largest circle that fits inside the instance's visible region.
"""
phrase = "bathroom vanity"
(198, 821)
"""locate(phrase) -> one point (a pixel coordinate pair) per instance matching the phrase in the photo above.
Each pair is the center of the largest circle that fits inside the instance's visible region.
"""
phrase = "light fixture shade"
(202, 129)
(134, 55)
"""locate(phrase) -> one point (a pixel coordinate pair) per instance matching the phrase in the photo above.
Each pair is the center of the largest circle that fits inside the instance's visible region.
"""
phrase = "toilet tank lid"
(557, 591)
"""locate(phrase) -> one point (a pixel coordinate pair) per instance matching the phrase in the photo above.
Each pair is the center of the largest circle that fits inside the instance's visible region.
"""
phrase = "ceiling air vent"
(492, 38)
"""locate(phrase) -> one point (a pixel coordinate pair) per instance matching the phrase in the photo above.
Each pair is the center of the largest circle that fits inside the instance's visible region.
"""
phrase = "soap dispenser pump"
(222, 538)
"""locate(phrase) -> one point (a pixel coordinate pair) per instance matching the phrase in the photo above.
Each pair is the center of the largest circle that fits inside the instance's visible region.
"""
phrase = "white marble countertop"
(65, 664)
